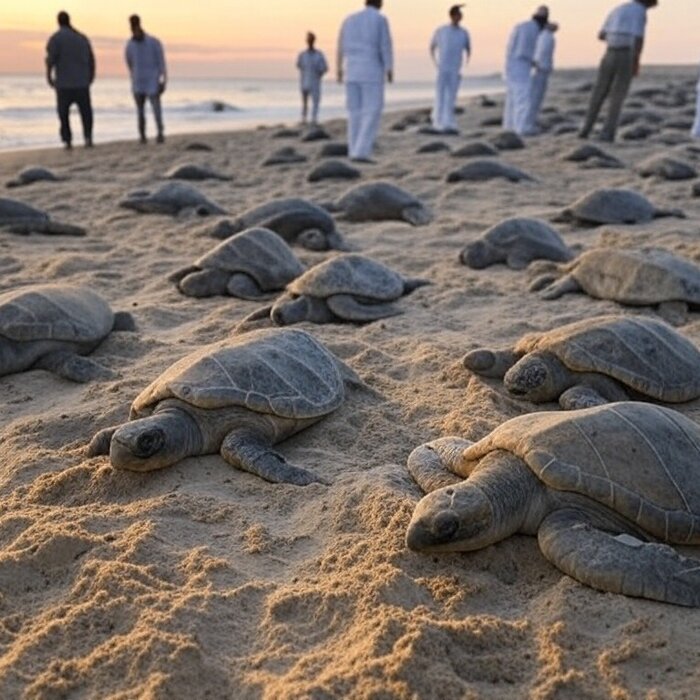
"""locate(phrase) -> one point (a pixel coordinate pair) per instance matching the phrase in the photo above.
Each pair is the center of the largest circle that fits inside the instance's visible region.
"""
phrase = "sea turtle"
(248, 265)
(237, 397)
(18, 217)
(348, 287)
(613, 206)
(382, 201)
(507, 141)
(49, 326)
(171, 198)
(333, 170)
(637, 132)
(192, 171)
(475, 149)
(433, 147)
(487, 169)
(517, 242)
(596, 360)
(334, 150)
(315, 133)
(646, 277)
(589, 153)
(666, 168)
(285, 156)
(27, 176)
(296, 220)
(600, 487)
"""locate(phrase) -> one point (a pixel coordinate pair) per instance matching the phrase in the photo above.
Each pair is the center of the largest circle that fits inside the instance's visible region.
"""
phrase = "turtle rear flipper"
(123, 321)
(622, 564)
(554, 290)
(100, 443)
(348, 308)
(678, 213)
(74, 367)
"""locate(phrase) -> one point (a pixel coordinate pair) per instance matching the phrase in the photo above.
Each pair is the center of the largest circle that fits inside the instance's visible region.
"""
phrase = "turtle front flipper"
(490, 363)
(431, 464)
(244, 286)
(100, 443)
(74, 367)
(348, 308)
(251, 320)
(618, 564)
(204, 283)
(565, 285)
(244, 450)
(604, 391)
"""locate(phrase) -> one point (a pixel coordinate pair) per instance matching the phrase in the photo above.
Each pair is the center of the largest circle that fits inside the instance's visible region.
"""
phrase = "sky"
(233, 38)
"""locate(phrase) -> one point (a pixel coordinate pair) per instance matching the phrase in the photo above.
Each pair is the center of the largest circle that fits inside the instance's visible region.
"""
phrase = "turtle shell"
(645, 354)
(613, 206)
(533, 234)
(260, 253)
(14, 209)
(376, 201)
(349, 274)
(54, 312)
(286, 373)
(639, 459)
(277, 210)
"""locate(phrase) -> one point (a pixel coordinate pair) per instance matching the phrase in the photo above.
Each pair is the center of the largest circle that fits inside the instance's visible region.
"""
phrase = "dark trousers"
(614, 78)
(140, 100)
(65, 97)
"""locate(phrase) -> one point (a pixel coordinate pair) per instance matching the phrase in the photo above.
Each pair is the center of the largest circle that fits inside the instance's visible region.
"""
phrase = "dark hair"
(63, 19)
(135, 21)
(374, 3)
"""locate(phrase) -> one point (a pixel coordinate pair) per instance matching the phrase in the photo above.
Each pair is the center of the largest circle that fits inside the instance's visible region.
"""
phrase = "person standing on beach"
(450, 42)
(312, 66)
(544, 65)
(146, 61)
(365, 58)
(520, 60)
(623, 32)
(70, 70)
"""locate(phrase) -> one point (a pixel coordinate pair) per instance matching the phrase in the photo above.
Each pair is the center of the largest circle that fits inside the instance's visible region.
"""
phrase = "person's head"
(136, 29)
(374, 3)
(649, 3)
(63, 19)
(541, 15)
(310, 39)
(456, 14)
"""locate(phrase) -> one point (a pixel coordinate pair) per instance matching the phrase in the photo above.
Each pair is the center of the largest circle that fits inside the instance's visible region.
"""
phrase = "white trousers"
(695, 133)
(446, 91)
(314, 93)
(538, 89)
(364, 102)
(517, 106)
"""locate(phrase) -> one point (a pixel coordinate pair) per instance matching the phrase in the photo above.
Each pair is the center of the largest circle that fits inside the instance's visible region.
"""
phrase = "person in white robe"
(544, 65)
(312, 66)
(520, 57)
(365, 60)
(451, 43)
(146, 62)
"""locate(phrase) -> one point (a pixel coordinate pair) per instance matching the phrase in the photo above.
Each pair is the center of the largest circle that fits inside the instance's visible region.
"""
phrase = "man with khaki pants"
(623, 32)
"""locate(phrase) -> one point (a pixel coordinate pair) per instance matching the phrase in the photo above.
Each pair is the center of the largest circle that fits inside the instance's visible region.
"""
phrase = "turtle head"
(537, 377)
(456, 518)
(478, 255)
(314, 239)
(289, 309)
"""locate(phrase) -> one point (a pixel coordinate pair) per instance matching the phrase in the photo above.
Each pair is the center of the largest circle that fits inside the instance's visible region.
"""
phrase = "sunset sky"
(237, 39)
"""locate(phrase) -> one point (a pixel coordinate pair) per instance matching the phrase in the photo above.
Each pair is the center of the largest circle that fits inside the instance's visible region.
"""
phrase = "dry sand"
(200, 581)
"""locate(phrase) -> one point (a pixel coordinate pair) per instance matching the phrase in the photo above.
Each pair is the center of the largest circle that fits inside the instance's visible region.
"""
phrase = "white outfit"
(695, 132)
(312, 65)
(365, 51)
(146, 62)
(544, 59)
(519, 57)
(451, 43)
(625, 24)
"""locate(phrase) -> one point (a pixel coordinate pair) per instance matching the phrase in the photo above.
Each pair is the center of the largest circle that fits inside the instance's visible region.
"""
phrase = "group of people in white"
(365, 62)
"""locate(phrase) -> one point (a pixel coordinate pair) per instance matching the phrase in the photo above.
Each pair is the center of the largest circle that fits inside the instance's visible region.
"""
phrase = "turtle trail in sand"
(51, 326)
(599, 488)
(595, 361)
(348, 287)
(516, 242)
(172, 198)
(248, 265)
(238, 397)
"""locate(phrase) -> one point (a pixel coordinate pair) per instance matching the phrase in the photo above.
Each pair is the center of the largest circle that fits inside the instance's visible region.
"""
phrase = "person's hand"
(635, 69)
(161, 88)
(601, 36)
(340, 76)
(390, 76)
(50, 81)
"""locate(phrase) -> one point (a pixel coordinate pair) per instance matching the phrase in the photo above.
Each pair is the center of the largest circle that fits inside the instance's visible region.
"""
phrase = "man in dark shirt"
(70, 70)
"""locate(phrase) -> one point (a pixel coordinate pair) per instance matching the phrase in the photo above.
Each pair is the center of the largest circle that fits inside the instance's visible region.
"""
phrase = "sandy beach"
(202, 581)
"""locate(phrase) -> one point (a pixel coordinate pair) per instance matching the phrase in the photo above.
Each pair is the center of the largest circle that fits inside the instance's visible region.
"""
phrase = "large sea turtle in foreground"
(171, 198)
(517, 242)
(248, 265)
(613, 206)
(596, 360)
(600, 488)
(296, 220)
(50, 326)
(238, 397)
(646, 277)
(347, 287)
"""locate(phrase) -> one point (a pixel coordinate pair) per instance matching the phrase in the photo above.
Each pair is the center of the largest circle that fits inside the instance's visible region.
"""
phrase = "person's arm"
(467, 47)
(387, 51)
(51, 55)
(638, 46)
(323, 68)
(433, 49)
(162, 70)
(339, 54)
(91, 59)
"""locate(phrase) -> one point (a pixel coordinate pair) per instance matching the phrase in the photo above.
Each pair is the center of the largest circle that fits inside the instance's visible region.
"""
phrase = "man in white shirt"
(623, 31)
(312, 65)
(520, 57)
(544, 65)
(146, 61)
(365, 58)
(450, 42)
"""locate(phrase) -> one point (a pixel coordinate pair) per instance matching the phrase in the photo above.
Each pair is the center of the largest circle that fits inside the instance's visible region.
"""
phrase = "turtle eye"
(148, 443)
(444, 525)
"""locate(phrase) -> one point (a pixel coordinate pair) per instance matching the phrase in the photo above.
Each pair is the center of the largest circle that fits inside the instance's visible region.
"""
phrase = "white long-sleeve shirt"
(364, 46)
(146, 62)
(312, 65)
(451, 44)
(544, 51)
(520, 52)
(625, 24)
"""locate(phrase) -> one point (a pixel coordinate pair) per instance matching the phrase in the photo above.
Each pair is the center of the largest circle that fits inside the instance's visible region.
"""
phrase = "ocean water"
(28, 116)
